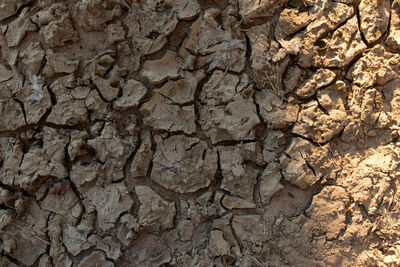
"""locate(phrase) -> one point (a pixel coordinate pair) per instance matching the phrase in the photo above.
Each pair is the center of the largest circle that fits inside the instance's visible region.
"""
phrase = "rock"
(155, 213)
(157, 71)
(374, 18)
(109, 202)
(96, 258)
(10, 8)
(163, 114)
(132, 93)
(275, 113)
(328, 211)
(183, 164)
(321, 78)
(332, 53)
(393, 40)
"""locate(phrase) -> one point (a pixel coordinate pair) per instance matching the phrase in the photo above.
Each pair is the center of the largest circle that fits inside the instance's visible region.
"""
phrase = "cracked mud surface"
(199, 133)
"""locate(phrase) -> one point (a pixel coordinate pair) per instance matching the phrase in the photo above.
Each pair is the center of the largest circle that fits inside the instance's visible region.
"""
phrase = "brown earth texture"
(199, 133)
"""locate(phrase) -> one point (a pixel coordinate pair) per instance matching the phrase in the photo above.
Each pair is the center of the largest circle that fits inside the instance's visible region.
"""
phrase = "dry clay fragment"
(239, 178)
(66, 204)
(275, 113)
(12, 115)
(374, 18)
(40, 162)
(109, 202)
(59, 63)
(218, 49)
(378, 67)
(183, 164)
(218, 245)
(132, 93)
(113, 149)
(32, 57)
(5, 74)
(9, 8)
(393, 39)
(74, 241)
(162, 114)
(97, 258)
(70, 108)
(336, 53)
(59, 33)
(144, 155)
(321, 78)
(237, 119)
(270, 182)
(328, 211)
(24, 239)
(159, 70)
(250, 228)
(251, 10)
(155, 213)
(94, 15)
(36, 99)
(296, 169)
(18, 28)
(313, 123)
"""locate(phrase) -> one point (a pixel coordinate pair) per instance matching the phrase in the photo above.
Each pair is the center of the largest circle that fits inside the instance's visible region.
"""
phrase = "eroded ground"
(199, 133)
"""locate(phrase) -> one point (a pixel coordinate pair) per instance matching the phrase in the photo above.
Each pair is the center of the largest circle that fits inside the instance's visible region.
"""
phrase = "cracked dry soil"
(199, 133)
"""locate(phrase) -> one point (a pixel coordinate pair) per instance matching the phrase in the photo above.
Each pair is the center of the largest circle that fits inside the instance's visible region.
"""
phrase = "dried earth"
(199, 133)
